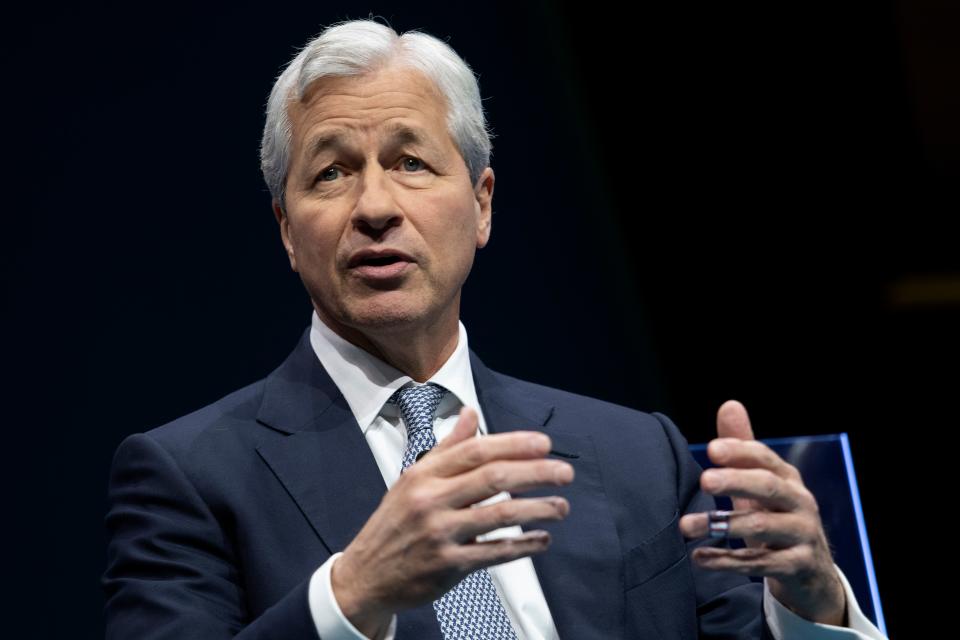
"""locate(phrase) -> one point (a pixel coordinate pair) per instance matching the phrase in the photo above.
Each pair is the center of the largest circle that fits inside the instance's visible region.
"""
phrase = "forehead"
(376, 103)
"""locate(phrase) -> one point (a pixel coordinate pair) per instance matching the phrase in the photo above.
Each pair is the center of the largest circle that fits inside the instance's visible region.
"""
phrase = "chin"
(386, 315)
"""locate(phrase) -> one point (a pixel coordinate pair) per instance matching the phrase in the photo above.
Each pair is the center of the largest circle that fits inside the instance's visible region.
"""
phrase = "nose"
(376, 209)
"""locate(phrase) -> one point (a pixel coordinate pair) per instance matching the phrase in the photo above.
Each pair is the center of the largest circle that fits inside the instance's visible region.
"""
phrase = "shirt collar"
(367, 382)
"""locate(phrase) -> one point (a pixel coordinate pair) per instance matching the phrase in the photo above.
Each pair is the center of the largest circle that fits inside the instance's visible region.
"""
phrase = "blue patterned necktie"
(471, 610)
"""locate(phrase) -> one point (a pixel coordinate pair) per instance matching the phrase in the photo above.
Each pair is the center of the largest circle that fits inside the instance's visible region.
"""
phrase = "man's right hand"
(420, 542)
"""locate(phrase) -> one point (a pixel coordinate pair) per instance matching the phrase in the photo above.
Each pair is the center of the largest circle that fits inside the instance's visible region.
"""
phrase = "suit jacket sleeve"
(728, 605)
(171, 572)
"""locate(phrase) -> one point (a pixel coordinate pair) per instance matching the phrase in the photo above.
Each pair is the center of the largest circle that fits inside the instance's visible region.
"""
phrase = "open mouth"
(381, 261)
(387, 268)
(382, 258)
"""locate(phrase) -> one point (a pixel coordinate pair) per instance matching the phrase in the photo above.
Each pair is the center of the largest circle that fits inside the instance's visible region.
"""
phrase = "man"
(303, 506)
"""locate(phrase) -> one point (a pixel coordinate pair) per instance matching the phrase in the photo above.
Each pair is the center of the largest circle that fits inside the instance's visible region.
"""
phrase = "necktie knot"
(418, 404)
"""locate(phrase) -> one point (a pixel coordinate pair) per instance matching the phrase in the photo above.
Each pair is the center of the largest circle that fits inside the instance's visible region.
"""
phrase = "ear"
(284, 221)
(483, 191)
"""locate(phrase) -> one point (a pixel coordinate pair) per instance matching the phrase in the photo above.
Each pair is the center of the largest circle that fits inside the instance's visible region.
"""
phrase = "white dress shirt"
(366, 383)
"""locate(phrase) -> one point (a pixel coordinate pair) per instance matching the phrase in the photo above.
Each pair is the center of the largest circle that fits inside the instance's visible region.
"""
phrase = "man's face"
(381, 221)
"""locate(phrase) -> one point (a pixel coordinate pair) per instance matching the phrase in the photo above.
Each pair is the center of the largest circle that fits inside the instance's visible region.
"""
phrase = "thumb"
(733, 421)
(465, 428)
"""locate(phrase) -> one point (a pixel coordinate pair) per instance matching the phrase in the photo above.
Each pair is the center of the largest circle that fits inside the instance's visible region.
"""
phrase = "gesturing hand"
(420, 542)
(776, 515)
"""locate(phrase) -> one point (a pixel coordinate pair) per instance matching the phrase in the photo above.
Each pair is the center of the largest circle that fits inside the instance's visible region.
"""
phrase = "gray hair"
(356, 47)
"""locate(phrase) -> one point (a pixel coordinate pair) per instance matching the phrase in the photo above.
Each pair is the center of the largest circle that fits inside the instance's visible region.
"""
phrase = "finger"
(733, 421)
(466, 427)
(477, 555)
(762, 485)
(755, 561)
(467, 524)
(733, 424)
(776, 530)
(749, 454)
(474, 452)
(504, 475)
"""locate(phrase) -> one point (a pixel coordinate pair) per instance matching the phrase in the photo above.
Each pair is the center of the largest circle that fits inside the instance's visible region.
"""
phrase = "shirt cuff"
(786, 624)
(329, 619)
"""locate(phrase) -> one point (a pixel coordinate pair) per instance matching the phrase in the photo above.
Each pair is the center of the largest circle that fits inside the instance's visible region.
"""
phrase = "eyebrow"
(397, 135)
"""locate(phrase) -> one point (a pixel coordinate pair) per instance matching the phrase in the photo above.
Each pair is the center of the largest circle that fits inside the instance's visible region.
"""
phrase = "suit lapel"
(325, 463)
(581, 572)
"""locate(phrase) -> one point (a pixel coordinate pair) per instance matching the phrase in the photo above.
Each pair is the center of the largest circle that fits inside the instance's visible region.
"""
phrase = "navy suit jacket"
(217, 520)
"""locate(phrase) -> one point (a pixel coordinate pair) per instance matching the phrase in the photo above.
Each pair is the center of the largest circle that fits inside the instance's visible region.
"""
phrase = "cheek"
(459, 218)
(458, 242)
(315, 250)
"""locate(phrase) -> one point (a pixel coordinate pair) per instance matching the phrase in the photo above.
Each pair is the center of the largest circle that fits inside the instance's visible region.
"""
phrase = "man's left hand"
(777, 517)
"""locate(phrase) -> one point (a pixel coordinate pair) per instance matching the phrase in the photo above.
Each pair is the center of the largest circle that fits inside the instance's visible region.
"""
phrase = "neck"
(417, 351)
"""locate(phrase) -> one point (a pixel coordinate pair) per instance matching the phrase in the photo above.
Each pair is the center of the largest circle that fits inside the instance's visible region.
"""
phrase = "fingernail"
(563, 472)
(560, 505)
(720, 448)
(710, 479)
(538, 535)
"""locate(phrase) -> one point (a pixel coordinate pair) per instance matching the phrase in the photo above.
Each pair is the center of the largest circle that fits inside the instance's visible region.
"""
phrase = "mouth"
(381, 261)
(380, 265)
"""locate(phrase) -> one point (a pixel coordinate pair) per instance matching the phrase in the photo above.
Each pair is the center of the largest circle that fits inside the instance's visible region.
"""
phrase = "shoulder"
(601, 419)
(215, 431)
(569, 400)
(233, 412)
(232, 424)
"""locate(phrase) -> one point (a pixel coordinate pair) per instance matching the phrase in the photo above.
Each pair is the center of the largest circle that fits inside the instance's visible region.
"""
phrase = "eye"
(325, 175)
(417, 163)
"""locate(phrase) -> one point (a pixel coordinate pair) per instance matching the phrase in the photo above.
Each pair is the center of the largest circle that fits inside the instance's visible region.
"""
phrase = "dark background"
(693, 202)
